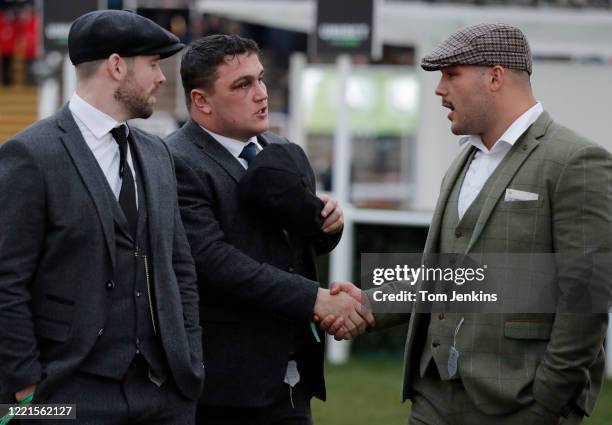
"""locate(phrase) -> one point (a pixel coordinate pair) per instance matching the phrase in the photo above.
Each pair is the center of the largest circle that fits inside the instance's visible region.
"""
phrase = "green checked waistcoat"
(454, 237)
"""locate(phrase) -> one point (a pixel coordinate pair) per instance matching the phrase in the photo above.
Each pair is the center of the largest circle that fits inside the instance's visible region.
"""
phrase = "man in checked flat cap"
(98, 301)
(522, 185)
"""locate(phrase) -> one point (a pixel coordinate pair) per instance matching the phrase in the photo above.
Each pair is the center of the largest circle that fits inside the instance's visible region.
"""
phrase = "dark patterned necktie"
(127, 195)
(248, 152)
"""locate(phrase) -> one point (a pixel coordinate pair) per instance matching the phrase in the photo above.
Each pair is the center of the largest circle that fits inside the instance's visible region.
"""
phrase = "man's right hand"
(19, 395)
(335, 324)
(344, 308)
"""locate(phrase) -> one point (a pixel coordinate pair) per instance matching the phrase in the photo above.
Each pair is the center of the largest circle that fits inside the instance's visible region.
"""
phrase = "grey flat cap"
(483, 45)
(99, 34)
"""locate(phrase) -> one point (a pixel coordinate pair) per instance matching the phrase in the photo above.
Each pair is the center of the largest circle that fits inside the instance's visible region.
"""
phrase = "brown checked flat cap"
(483, 45)
(97, 35)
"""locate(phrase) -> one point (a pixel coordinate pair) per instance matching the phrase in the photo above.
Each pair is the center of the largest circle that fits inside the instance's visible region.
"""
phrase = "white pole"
(341, 257)
(69, 79)
(180, 106)
(297, 131)
(609, 349)
(130, 4)
(48, 98)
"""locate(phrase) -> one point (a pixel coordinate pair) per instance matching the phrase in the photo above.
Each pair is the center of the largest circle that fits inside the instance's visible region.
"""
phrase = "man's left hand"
(333, 215)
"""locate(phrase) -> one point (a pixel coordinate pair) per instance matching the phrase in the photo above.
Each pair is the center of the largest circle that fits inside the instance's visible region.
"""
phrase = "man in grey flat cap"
(98, 296)
(519, 186)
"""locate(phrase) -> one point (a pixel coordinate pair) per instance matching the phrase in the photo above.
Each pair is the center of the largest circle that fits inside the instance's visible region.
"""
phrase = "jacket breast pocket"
(526, 329)
(521, 205)
(54, 319)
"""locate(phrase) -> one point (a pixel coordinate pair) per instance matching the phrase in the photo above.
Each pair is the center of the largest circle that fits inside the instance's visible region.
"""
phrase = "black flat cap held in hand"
(279, 186)
(482, 45)
(97, 35)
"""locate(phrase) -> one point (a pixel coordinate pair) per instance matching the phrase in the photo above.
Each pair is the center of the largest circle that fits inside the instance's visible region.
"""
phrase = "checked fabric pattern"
(483, 45)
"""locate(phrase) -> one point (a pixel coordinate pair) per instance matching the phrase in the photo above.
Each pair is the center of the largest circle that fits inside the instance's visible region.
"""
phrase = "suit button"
(458, 233)
(101, 332)
(441, 316)
(139, 293)
(110, 285)
(291, 269)
(435, 343)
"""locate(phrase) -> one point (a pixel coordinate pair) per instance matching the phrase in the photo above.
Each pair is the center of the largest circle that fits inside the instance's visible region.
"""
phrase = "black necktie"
(248, 152)
(127, 195)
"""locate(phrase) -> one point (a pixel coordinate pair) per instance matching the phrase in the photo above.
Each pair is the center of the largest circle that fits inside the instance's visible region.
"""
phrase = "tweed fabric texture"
(483, 45)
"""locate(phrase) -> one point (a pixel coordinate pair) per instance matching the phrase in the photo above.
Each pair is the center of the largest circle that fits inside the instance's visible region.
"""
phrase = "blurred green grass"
(366, 390)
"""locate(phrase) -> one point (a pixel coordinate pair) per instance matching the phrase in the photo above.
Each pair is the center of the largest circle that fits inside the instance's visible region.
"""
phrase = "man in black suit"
(98, 295)
(257, 280)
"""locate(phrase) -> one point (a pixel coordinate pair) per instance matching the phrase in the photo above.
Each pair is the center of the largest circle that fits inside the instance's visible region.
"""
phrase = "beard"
(131, 96)
(474, 116)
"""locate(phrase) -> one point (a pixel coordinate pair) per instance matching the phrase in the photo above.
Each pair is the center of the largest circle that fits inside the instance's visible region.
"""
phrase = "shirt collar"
(234, 146)
(512, 133)
(95, 120)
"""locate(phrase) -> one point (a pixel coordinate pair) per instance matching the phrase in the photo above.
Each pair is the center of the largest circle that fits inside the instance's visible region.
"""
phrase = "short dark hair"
(202, 58)
(86, 70)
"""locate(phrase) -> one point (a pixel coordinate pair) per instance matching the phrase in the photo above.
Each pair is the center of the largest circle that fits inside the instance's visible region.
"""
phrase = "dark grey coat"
(258, 288)
(57, 254)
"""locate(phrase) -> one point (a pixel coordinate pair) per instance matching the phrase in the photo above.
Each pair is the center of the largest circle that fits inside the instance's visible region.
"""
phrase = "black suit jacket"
(255, 305)
(57, 254)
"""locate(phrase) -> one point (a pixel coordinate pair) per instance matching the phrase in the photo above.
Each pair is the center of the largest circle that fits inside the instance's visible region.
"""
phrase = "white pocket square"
(513, 195)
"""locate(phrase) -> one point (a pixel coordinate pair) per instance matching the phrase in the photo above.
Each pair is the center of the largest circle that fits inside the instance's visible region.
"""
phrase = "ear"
(199, 101)
(497, 76)
(116, 66)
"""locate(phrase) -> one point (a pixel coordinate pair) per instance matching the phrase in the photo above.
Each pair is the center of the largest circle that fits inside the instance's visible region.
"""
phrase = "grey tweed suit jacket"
(508, 361)
(57, 254)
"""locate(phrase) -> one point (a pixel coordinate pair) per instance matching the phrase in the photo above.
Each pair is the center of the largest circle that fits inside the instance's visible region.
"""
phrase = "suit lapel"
(85, 162)
(147, 163)
(430, 252)
(445, 191)
(263, 141)
(215, 150)
(511, 164)
(268, 138)
(431, 245)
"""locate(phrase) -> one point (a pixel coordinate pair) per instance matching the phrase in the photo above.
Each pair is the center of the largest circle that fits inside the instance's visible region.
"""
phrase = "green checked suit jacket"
(508, 361)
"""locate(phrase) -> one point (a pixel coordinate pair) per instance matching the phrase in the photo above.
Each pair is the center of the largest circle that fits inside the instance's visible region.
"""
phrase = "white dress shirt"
(486, 161)
(234, 146)
(95, 127)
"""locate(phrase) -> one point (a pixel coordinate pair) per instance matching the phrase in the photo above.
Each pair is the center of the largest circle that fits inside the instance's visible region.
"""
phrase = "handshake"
(343, 311)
